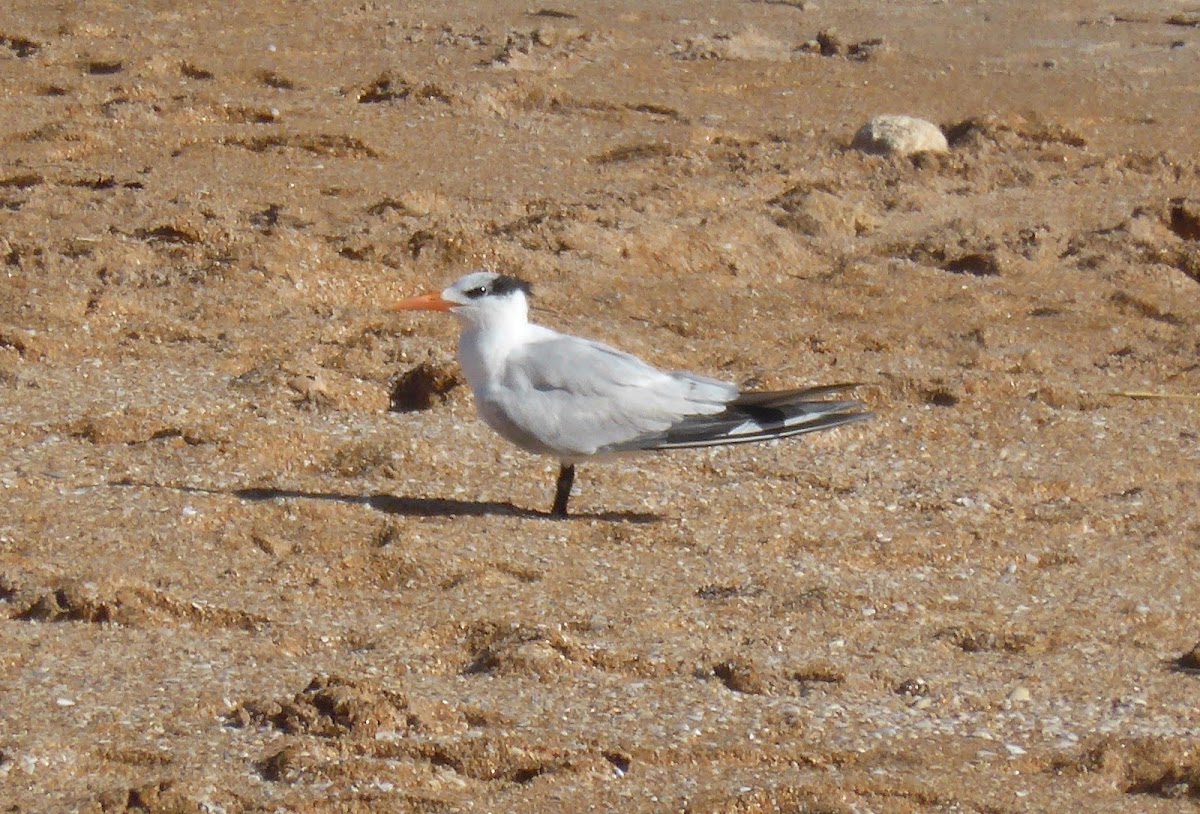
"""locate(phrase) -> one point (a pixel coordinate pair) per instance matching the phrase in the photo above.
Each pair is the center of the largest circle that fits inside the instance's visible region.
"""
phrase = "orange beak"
(426, 302)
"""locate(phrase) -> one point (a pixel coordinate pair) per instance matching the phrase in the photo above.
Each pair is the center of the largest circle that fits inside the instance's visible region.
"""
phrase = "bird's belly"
(526, 437)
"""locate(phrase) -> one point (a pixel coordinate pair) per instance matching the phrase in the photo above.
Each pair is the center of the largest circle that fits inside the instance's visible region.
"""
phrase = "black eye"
(476, 292)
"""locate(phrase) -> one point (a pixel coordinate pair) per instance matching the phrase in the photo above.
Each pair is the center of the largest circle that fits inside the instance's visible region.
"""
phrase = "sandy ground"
(233, 578)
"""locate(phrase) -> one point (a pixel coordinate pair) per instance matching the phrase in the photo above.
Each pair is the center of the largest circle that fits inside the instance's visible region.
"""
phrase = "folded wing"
(756, 417)
(571, 397)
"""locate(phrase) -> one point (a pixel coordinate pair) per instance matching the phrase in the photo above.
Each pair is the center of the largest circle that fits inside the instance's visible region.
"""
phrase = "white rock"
(899, 135)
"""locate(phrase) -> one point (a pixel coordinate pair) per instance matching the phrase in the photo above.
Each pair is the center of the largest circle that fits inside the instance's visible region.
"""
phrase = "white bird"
(575, 399)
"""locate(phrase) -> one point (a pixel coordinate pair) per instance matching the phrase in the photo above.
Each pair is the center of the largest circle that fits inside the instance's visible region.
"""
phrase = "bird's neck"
(498, 324)
(484, 347)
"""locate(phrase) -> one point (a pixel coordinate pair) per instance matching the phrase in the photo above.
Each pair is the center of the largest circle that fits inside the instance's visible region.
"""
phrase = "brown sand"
(232, 580)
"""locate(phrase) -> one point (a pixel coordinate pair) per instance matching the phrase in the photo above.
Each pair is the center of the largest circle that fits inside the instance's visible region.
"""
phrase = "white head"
(478, 299)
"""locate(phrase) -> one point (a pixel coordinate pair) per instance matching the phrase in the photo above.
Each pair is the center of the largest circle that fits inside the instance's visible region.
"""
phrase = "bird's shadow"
(438, 506)
(406, 506)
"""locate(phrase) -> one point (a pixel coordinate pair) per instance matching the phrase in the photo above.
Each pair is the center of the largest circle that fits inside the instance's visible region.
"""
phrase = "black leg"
(566, 477)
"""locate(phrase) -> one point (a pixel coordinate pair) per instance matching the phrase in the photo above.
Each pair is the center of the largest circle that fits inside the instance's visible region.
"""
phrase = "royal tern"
(574, 399)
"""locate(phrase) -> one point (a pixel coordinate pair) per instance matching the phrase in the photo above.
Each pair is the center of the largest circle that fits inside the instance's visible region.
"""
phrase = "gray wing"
(571, 397)
(758, 416)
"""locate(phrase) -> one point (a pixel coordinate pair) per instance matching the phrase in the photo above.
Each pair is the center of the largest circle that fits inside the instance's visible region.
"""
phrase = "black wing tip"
(847, 412)
(843, 414)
